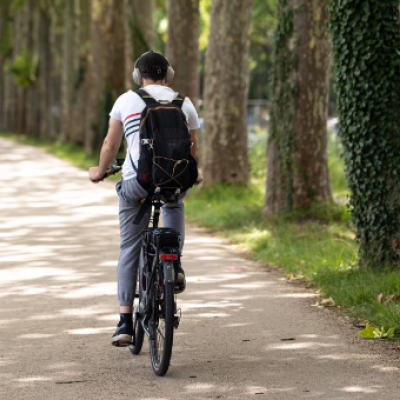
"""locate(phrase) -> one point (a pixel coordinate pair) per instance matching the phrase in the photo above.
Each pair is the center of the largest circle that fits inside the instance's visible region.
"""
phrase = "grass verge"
(320, 252)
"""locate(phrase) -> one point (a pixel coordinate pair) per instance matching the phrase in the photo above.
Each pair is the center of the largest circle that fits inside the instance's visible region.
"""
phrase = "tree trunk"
(45, 74)
(140, 22)
(183, 45)
(116, 55)
(368, 86)
(96, 118)
(297, 175)
(82, 59)
(4, 52)
(68, 71)
(224, 145)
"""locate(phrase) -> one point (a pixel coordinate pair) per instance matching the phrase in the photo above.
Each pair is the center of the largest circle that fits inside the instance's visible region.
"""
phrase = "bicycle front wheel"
(161, 344)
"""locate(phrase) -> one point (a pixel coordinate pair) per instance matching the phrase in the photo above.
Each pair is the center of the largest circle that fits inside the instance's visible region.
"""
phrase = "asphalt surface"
(245, 331)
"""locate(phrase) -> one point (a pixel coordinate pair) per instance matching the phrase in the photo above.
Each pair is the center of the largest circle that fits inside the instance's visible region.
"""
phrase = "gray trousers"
(173, 216)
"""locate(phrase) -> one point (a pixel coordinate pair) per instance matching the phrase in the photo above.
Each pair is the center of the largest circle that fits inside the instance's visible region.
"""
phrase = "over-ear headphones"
(137, 76)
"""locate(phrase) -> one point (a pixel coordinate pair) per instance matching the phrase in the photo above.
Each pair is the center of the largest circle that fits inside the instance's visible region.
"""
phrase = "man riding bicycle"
(153, 72)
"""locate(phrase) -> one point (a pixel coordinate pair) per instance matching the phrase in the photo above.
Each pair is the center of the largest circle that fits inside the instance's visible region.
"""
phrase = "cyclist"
(124, 119)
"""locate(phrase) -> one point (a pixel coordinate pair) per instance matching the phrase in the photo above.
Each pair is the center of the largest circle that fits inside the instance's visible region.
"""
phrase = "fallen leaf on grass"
(358, 323)
(372, 332)
(328, 302)
(389, 298)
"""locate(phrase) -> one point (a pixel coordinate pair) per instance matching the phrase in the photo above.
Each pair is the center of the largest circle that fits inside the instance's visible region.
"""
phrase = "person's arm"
(195, 147)
(109, 150)
(195, 152)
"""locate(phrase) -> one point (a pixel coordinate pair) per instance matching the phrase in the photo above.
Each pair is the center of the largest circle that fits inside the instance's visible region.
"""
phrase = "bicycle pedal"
(176, 321)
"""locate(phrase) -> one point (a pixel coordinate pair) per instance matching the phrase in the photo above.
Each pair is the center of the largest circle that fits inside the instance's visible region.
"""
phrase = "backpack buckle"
(147, 142)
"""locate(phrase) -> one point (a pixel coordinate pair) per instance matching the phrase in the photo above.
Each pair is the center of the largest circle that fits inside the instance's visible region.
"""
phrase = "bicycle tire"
(161, 350)
(138, 334)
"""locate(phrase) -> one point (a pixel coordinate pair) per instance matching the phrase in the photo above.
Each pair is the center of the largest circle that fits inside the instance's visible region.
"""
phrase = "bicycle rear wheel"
(138, 333)
(161, 345)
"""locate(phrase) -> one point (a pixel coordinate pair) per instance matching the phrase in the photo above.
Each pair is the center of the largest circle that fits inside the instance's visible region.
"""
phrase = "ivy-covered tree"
(366, 44)
(297, 172)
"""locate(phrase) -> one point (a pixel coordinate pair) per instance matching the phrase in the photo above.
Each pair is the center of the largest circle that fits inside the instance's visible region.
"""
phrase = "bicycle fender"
(169, 273)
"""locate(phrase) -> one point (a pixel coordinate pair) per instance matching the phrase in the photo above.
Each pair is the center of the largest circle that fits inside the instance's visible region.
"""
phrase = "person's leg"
(130, 194)
(173, 216)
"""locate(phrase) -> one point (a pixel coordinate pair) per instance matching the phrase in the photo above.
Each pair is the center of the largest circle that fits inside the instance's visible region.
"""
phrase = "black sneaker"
(123, 336)
(180, 280)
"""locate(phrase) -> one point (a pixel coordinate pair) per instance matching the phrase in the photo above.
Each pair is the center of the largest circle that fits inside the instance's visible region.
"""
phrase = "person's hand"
(199, 178)
(94, 175)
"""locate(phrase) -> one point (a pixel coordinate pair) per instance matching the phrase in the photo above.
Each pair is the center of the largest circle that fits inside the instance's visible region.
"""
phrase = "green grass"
(319, 250)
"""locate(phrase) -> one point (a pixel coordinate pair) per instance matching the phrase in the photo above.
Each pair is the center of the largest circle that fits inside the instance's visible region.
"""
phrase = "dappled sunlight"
(30, 273)
(14, 233)
(345, 357)
(204, 240)
(238, 324)
(36, 336)
(90, 331)
(212, 315)
(301, 345)
(4, 322)
(85, 311)
(215, 277)
(296, 295)
(200, 387)
(99, 289)
(110, 317)
(33, 379)
(360, 389)
(112, 263)
(248, 285)
(189, 305)
(384, 368)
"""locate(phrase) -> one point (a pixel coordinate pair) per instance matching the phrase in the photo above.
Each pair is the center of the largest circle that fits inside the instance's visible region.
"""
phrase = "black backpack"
(165, 160)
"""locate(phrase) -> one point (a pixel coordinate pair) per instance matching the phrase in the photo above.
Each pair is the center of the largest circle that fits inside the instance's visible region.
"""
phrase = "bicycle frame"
(164, 243)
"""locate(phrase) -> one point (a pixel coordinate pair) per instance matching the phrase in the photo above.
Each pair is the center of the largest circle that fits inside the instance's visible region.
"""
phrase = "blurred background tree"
(67, 61)
(297, 146)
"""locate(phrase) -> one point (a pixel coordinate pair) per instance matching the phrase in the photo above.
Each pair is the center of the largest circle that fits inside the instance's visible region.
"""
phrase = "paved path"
(58, 253)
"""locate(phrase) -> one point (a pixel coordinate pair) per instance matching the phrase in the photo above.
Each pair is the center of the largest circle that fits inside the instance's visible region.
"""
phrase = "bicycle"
(157, 284)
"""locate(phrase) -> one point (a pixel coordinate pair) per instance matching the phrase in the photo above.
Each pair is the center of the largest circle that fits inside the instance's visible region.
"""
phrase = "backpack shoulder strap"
(178, 101)
(149, 100)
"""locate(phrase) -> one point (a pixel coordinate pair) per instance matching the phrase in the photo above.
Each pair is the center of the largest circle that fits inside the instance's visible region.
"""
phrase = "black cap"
(152, 63)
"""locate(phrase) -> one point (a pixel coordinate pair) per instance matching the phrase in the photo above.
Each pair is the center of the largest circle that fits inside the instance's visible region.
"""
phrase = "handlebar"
(114, 169)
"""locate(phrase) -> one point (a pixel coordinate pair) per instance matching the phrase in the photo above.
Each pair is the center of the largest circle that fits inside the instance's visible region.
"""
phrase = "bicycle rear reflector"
(168, 256)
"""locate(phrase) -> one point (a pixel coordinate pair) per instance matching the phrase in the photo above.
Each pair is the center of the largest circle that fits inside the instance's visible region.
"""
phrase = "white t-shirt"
(128, 108)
